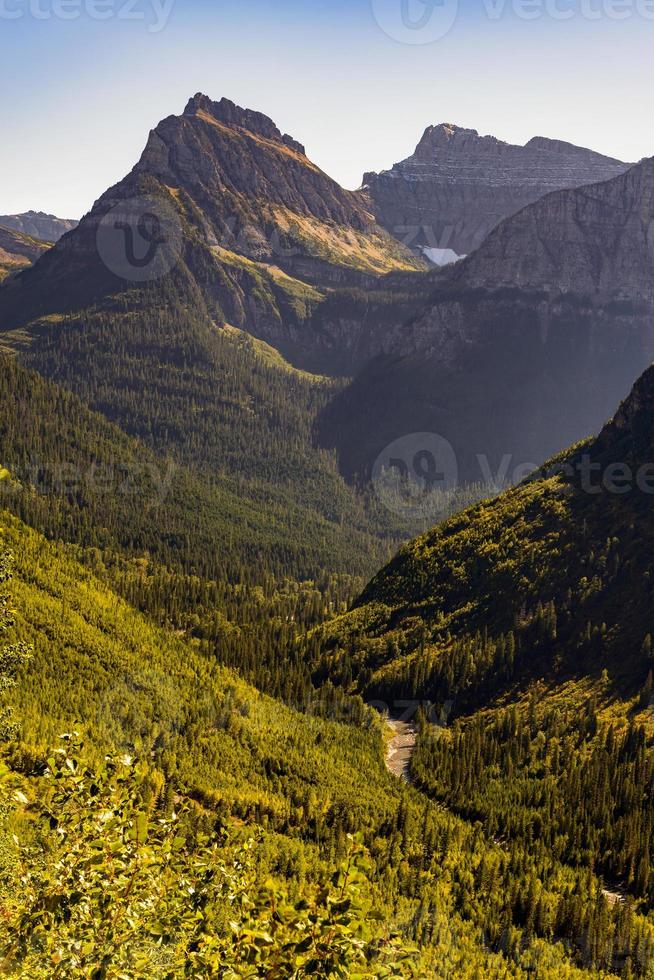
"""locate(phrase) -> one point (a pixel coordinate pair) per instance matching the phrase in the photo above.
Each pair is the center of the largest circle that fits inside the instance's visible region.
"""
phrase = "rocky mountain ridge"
(256, 192)
(37, 224)
(457, 185)
(242, 210)
(499, 354)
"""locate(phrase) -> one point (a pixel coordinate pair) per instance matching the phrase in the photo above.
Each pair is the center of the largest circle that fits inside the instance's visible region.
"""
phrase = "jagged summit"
(230, 184)
(449, 135)
(230, 114)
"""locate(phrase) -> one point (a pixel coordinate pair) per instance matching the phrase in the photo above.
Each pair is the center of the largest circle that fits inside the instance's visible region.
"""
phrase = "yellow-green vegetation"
(185, 553)
(122, 890)
(374, 252)
(269, 355)
(17, 251)
(526, 622)
(246, 473)
(213, 747)
(302, 296)
(141, 607)
(234, 564)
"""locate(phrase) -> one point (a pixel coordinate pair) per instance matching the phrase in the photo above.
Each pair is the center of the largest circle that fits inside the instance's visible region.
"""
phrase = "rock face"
(256, 225)
(247, 210)
(250, 224)
(524, 347)
(255, 192)
(36, 224)
(459, 185)
(593, 241)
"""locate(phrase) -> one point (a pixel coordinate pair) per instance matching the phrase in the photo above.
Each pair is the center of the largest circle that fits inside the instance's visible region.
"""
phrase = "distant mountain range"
(457, 186)
(511, 354)
(36, 224)
(233, 211)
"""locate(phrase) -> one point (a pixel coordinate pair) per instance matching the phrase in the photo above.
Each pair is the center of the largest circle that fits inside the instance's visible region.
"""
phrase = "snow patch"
(441, 256)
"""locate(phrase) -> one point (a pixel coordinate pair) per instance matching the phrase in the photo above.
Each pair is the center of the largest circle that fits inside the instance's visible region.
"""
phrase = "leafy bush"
(124, 892)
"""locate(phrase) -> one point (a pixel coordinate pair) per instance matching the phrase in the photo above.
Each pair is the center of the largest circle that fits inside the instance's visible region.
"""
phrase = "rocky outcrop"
(458, 186)
(38, 225)
(592, 241)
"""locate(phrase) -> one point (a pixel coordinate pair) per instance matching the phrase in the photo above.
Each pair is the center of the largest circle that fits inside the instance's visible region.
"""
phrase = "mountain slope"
(79, 478)
(457, 185)
(219, 181)
(17, 251)
(159, 347)
(559, 538)
(594, 240)
(296, 783)
(526, 623)
(259, 192)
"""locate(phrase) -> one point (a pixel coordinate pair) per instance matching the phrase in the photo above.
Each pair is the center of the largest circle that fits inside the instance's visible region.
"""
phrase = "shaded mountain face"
(39, 225)
(526, 345)
(592, 241)
(524, 626)
(586, 515)
(18, 251)
(457, 186)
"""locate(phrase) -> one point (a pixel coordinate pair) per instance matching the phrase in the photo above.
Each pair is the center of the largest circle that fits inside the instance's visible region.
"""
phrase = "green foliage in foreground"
(13, 656)
(121, 891)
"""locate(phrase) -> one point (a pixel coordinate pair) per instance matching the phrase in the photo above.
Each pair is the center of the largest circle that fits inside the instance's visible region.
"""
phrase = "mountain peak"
(545, 143)
(448, 130)
(231, 114)
(458, 185)
(444, 134)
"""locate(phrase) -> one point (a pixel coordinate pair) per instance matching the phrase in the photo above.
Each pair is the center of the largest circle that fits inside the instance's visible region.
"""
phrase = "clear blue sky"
(347, 79)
